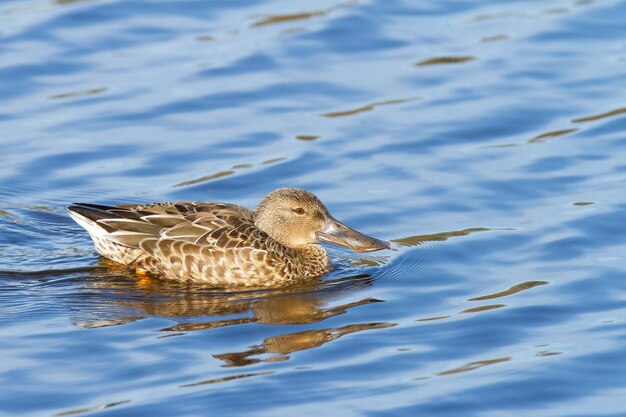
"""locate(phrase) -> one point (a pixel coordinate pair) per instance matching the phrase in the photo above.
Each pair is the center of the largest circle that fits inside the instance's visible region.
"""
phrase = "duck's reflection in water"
(124, 299)
(284, 344)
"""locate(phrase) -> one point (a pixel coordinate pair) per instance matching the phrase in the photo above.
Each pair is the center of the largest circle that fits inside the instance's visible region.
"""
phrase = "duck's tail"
(121, 226)
(116, 232)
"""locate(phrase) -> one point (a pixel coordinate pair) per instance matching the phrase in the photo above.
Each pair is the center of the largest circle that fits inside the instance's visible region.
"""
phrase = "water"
(484, 139)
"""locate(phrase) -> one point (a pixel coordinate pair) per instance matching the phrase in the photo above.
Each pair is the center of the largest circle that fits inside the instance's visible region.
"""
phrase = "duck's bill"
(338, 233)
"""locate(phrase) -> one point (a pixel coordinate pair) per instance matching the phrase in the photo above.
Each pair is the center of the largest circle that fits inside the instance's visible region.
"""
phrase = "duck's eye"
(298, 210)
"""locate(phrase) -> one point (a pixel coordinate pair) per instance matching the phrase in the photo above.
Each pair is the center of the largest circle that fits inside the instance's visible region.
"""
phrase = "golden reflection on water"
(445, 60)
(437, 237)
(287, 18)
(500, 16)
(90, 409)
(556, 10)
(307, 137)
(365, 108)
(513, 290)
(284, 344)
(219, 174)
(226, 379)
(527, 285)
(434, 318)
(283, 18)
(548, 353)
(350, 112)
(79, 93)
(504, 145)
(474, 365)
(471, 366)
(611, 113)
(494, 38)
(225, 173)
(483, 308)
(544, 136)
(273, 161)
(555, 133)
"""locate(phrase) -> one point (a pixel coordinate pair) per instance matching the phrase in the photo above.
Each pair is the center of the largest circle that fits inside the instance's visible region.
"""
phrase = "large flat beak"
(338, 233)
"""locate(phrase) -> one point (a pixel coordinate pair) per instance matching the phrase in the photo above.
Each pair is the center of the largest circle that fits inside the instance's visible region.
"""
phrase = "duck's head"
(296, 218)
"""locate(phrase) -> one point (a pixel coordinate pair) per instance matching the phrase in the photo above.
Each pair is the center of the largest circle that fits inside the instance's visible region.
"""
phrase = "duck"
(221, 244)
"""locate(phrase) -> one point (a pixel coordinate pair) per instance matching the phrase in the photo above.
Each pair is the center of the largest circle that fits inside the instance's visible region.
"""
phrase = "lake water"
(485, 139)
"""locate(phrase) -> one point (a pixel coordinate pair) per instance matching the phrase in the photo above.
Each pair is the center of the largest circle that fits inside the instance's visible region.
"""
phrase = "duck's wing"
(214, 243)
(205, 223)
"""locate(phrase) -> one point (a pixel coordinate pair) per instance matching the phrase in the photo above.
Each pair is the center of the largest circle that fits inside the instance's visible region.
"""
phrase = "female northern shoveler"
(223, 244)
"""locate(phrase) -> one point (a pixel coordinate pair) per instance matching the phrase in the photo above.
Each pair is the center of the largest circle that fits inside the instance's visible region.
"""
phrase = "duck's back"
(214, 243)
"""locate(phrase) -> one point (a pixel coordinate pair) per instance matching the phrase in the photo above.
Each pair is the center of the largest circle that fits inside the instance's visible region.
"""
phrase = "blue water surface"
(485, 139)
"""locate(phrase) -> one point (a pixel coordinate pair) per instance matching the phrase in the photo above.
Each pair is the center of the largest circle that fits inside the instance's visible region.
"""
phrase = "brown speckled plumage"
(220, 244)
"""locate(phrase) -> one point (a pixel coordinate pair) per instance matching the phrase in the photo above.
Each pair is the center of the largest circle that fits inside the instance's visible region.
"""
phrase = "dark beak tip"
(381, 244)
(340, 234)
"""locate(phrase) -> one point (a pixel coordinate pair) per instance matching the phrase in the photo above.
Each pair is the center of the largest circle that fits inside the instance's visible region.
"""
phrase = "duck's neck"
(312, 260)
